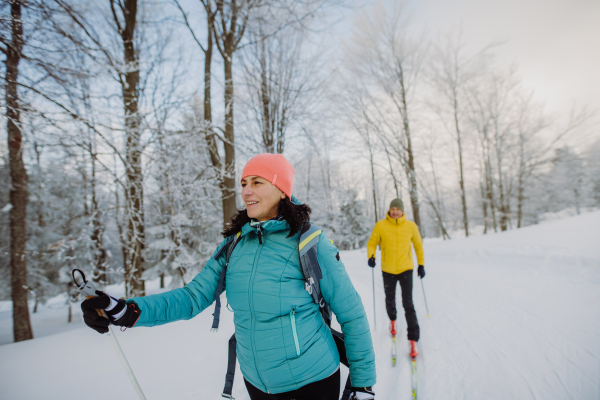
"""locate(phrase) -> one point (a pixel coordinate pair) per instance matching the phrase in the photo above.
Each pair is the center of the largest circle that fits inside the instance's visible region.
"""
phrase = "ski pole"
(374, 308)
(89, 291)
(423, 287)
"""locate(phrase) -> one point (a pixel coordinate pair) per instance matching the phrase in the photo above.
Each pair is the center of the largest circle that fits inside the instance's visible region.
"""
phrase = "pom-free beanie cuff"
(274, 168)
(398, 204)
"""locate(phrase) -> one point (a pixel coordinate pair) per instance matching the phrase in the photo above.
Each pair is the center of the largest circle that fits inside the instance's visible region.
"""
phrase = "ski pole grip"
(87, 288)
(99, 311)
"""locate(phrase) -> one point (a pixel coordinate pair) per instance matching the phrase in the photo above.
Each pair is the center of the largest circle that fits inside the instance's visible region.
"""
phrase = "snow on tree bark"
(19, 181)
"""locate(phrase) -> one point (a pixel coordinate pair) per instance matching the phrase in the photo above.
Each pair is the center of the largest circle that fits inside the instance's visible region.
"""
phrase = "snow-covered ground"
(514, 315)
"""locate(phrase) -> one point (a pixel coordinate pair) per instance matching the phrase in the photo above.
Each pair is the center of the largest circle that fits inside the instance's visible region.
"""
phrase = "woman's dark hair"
(294, 214)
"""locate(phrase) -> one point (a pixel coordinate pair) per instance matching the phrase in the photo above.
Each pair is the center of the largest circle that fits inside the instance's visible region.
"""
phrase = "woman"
(285, 349)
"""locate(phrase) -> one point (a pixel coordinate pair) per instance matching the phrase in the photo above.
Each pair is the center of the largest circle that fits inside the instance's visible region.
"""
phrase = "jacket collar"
(272, 225)
(395, 221)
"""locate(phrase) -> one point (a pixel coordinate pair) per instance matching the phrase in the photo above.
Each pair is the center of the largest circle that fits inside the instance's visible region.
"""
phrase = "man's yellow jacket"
(394, 236)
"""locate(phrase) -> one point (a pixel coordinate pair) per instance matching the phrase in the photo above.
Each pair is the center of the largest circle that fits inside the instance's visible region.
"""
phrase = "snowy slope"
(514, 315)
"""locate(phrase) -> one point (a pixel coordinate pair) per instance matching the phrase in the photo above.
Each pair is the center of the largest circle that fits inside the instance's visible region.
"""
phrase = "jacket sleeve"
(418, 245)
(346, 304)
(185, 302)
(373, 242)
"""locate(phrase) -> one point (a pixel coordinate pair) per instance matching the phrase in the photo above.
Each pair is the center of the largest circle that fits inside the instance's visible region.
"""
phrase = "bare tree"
(13, 48)
(535, 151)
(207, 50)
(382, 49)
(228, 26)
(480, 119)
(450, 74)
(282, 81)
(125, 69)
(364, 128)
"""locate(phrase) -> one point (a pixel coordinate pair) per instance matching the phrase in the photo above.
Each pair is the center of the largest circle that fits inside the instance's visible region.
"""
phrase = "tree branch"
(185, 18)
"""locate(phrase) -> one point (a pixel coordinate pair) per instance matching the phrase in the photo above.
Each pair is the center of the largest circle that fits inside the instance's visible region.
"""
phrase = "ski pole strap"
(338, 339)
(347, 389)
(231, 357)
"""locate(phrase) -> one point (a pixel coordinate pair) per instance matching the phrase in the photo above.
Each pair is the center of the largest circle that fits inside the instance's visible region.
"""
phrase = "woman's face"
(261, 198)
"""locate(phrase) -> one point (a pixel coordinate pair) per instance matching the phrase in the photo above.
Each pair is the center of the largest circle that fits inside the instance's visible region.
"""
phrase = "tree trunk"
(19, 181)
(37, 301)
(268, 131)
(503, 208)
(228, 185)
(483, 207)
(521, 183)
(392, 173)
(373, 181)
(308, 177)
(489, 187)
(122, 240)
(463, 194)
(98, 228)
(134, 207)
(210, 135)
(411, 173)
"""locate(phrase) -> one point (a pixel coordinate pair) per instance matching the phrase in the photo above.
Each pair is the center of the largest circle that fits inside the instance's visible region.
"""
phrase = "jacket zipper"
(293, 318)
(250, 299)
(259, 231)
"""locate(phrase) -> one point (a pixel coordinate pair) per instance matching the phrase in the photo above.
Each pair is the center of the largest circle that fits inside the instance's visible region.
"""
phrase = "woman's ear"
(282, 196)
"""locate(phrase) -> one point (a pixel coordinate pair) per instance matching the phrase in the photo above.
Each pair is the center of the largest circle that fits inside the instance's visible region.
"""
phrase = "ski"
(414, 377)
(393, 351)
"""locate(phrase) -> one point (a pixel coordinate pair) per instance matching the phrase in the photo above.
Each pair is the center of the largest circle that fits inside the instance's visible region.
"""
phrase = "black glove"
(421, 271)
(372, 262)
(362, 393)
(117, 311)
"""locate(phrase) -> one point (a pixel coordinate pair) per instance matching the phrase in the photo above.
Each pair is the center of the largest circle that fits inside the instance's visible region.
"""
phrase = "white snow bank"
(514, 315)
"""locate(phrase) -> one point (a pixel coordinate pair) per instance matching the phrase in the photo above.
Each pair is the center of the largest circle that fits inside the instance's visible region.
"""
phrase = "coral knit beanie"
(274, 168)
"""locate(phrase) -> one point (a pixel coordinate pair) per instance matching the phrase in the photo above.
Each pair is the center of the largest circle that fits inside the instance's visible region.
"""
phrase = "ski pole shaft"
(374, 308)
(88, 289)
(425, 298)
(125, 364)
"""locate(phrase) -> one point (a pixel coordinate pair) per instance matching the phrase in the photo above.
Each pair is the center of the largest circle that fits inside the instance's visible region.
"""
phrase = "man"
(394, 234)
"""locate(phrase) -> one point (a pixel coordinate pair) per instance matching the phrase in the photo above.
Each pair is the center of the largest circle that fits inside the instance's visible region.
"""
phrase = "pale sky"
(556, 43)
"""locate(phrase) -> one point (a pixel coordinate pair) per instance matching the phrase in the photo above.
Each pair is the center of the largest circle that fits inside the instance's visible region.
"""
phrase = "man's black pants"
(406, 284)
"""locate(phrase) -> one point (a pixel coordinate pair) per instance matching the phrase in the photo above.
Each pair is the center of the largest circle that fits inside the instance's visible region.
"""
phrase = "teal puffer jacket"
(282, 340)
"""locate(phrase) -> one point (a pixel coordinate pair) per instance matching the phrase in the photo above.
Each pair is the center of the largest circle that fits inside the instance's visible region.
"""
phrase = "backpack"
(307, 250)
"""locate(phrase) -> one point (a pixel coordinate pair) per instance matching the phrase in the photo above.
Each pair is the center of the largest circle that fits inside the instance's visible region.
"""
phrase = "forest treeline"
(127, 123)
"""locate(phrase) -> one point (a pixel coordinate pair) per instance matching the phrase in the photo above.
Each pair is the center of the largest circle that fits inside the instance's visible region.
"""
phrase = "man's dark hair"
(294, 214)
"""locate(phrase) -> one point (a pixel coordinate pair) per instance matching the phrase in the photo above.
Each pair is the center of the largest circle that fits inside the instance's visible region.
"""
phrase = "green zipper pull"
(293, 319)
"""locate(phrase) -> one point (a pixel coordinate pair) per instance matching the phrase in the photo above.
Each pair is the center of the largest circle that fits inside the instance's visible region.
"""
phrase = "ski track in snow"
(514, 315)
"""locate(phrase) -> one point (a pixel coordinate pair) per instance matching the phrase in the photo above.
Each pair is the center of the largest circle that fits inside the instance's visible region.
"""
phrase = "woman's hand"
(115, 311)
(366, 393)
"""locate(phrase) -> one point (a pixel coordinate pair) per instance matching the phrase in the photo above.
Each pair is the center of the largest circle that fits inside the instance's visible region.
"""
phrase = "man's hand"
(372, 262)
(421, 271)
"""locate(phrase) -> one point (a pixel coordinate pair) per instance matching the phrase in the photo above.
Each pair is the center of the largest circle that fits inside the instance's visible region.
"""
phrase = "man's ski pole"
(423, 287)
(89, 290)
(374, 308)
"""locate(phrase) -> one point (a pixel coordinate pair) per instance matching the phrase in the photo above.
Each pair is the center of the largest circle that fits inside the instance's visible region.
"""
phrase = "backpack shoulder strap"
(307, 249)
(228, 250)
